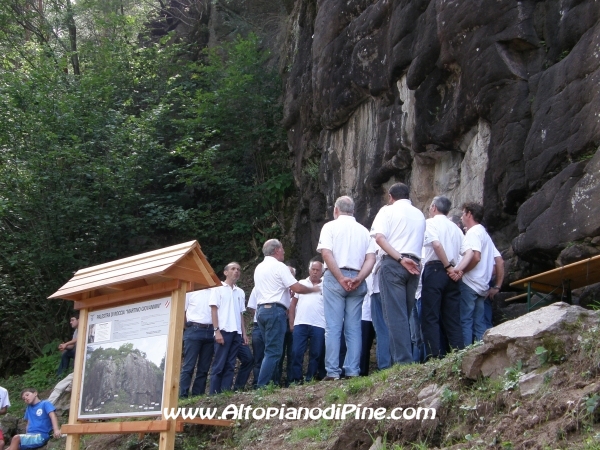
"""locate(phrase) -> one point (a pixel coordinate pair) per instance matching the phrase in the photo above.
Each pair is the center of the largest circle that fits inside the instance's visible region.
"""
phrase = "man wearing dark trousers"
(227, 303)
(440, 304)
(198, 343)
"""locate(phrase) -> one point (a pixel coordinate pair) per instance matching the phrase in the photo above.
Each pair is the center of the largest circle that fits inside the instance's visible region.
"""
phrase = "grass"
(359, 384)
(319, 432)
(337, 395)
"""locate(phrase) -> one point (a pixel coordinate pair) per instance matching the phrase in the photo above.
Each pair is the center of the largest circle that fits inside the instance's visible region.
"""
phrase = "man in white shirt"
(198, 343)
(398, 229)
(345, 246)
(479, 255)
(227, 303)
(307, 315)
(4, 404)
(272, 283)
(440, 299)
(258, 343)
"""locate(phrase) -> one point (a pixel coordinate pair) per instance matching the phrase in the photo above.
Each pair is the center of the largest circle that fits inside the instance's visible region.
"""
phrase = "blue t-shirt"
(38, 418)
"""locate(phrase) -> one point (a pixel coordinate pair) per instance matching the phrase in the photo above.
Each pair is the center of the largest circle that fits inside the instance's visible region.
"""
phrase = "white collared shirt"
(197, 309)
(366, 306)
(347, 239)
(440, 228)
(402, 225)
(477, 239)
(252, 302)
(272, 281)
(231, 303)
(310, 309)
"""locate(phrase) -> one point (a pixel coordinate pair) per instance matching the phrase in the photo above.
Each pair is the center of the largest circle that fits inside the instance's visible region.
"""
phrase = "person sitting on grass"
(68, 348)
(41, 422)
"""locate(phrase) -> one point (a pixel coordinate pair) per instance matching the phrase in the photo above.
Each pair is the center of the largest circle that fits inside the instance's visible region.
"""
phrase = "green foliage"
(449, 396)
(511, 376)
(319, 432)
(358, 384)
(141, 148)
(336, 395)
(42, 371)
(552, 351)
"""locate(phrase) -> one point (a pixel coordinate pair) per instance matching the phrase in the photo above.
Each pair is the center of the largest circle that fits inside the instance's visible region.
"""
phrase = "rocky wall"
(496, 102)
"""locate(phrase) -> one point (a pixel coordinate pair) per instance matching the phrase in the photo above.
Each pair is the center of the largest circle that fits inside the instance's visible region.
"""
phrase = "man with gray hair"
(307, 320)
(440, 304)
(348, 252)
(272, 284)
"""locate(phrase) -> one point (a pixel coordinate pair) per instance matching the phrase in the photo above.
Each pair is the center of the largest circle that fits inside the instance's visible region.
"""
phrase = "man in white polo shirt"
(198, 343)
(272, 284)
(345, 246)
(227, 303)
(398, 229)
(440, 299)
(479, 255)
(307, 316)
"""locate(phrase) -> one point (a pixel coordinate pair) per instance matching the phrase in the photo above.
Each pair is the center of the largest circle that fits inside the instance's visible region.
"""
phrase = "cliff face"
(490, 101)
(496, 102)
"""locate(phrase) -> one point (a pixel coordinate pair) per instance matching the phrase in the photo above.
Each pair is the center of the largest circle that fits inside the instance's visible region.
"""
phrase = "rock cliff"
(496, 102)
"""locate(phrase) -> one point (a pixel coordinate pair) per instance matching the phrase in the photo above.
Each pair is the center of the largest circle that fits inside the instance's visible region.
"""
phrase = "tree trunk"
(72, 38)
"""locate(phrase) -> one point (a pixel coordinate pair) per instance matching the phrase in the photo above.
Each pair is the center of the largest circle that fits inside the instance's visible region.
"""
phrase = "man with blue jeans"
(398, 229)
(479, 255)
(307, 317)
(227, 304)
(382, 349)
(349, 255)
(198, 343)
(272, 283)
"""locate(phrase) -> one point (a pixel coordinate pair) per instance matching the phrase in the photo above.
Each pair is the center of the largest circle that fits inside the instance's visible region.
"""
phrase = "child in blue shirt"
(41, 422)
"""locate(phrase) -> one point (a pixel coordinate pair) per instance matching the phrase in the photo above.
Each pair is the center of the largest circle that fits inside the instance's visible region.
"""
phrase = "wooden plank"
(75, 292)
(126, 296)
(579, 270)
(203, 264)
(112, 278)
(181, 273)
(72, 442)
(516, 297)
(119, 270)
(173, 361)
(145, 426)
(198, 421)
(183, 248)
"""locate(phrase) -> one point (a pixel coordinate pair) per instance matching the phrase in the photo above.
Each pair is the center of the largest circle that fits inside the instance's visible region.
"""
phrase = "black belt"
(406, 255)
(198, 325)
(436, 261)
(349, 268)
(275, 303)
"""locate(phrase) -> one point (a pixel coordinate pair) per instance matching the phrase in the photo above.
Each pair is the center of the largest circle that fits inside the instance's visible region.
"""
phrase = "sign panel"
(124, 369)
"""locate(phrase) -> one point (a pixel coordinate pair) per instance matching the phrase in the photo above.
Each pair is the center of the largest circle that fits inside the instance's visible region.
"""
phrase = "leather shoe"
(328, 378)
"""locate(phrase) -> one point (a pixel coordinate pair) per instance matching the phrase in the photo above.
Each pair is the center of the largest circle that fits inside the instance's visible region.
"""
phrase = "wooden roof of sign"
(578, 274)
(141, 275)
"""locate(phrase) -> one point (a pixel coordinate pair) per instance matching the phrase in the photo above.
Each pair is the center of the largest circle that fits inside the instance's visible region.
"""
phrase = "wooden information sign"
(132, 314)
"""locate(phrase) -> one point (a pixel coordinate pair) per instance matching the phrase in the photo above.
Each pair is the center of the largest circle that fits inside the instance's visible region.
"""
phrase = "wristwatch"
(216, 328)
(400, 259)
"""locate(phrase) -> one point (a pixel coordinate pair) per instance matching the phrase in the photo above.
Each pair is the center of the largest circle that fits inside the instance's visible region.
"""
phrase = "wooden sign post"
(149, 291)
